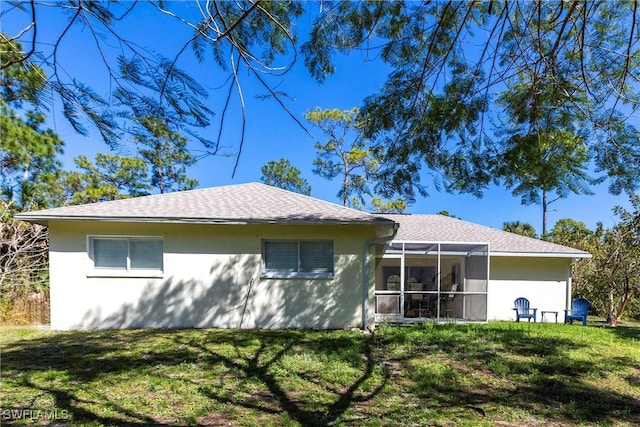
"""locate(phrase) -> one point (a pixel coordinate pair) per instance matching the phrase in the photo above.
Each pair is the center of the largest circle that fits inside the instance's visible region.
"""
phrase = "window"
(298, 258)
(127, 253)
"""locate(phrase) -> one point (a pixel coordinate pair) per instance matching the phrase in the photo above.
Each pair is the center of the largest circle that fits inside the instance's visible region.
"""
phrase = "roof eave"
(542, 254)
(44, 220)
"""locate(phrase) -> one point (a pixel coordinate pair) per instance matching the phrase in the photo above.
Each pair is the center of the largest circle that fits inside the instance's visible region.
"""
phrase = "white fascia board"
(44, 220)
(442, 242)
(542, 254)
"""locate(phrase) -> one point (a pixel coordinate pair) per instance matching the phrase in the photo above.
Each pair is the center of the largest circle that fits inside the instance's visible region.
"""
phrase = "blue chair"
(523, 311)
(579, 311)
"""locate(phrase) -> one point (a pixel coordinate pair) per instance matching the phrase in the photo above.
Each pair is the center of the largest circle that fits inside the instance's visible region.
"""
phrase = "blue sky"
(271, 134)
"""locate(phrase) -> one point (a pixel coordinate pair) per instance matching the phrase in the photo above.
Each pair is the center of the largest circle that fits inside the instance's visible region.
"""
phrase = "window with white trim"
(127, 254)
(297, 258)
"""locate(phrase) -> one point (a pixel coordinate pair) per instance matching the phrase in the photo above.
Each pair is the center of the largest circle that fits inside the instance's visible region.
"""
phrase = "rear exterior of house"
(445, 269)
(254, 256)
(205, 275)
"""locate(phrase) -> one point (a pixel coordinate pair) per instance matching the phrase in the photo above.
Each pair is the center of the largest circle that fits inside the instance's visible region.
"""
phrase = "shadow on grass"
(627, 332)
(260, 366)
(489, 367)
(475, 373)
(255, 357)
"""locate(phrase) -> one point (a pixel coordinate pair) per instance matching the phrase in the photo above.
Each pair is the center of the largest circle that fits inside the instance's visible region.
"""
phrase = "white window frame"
(128, 271)
(281, 274)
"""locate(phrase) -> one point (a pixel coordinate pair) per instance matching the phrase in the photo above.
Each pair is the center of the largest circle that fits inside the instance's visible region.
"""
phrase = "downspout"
(365, 284)
(567, 303)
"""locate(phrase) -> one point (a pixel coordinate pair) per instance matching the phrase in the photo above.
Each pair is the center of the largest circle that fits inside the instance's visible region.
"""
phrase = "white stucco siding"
(543, 281)
(211, 278)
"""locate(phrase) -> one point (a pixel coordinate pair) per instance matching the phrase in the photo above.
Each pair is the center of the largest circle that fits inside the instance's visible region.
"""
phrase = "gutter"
(44, 220)
(572, 255)
(365, 284)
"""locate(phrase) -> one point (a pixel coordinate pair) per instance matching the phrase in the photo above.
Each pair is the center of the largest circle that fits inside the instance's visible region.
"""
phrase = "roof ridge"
(314, 198)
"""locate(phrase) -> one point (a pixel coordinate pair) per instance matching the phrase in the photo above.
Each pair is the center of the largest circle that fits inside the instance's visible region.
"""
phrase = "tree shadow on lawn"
(627, 332)
(251, 356)
(452, 368)
(68, 361)
(488, 369)
(282, 397)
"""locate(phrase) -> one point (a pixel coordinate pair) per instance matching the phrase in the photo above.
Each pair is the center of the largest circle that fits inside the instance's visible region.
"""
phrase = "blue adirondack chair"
(579, 311)
(523, 311)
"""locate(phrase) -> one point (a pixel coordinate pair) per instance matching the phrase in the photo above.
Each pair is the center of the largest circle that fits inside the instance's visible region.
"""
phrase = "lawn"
(495, 374)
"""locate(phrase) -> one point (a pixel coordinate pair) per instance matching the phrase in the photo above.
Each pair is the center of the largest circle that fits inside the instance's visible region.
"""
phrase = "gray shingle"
(252, 202)
(439, 228)
(260, 203)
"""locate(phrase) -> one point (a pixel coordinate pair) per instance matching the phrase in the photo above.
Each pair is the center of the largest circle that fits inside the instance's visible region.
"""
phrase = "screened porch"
(421, 281)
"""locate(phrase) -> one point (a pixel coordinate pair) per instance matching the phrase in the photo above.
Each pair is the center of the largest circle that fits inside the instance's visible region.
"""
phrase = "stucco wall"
(543, 281)
(211, 278)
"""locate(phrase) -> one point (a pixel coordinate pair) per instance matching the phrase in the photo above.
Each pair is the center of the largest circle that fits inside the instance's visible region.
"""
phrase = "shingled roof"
(259, 203)
(241, 203)
(440, 228)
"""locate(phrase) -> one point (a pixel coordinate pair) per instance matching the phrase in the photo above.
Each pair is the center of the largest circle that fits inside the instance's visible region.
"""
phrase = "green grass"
(475, 374)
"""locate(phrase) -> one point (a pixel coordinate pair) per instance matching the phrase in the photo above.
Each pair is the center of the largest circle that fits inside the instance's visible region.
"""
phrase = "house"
(256, 256)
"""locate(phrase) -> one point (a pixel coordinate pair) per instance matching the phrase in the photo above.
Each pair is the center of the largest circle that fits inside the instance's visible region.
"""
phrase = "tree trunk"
(544, 212)
(345, 182)
(612, 317)
(627, 294)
